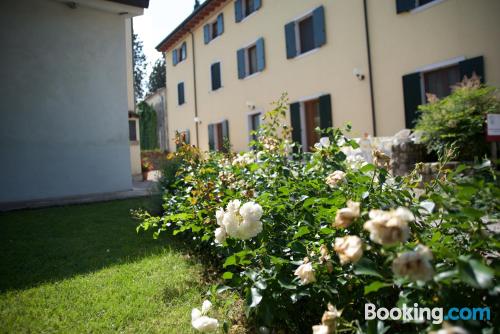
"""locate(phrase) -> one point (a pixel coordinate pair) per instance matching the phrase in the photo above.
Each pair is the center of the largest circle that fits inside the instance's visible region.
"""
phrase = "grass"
(83, 268)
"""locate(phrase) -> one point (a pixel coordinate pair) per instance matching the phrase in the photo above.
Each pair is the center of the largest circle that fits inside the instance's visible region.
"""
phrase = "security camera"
(357, 73)
(250, 105)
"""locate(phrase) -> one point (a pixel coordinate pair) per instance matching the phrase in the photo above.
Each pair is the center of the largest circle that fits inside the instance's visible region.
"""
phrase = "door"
(312, 121)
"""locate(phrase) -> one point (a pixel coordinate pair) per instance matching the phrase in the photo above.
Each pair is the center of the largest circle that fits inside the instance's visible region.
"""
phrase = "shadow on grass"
(47, 245)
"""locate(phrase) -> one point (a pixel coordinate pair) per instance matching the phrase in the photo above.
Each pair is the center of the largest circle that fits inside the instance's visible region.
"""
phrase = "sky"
(158, 21)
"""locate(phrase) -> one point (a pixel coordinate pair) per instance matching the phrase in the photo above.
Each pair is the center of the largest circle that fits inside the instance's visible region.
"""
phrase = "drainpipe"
(370, 75)
(195, 94)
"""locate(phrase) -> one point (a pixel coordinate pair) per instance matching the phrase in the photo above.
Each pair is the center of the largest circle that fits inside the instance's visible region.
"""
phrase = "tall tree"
(139, 60)
(157, 77)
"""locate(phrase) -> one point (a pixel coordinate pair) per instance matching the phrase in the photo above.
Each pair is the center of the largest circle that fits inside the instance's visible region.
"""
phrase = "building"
(361, 61)
(66, 83)
(157, 101)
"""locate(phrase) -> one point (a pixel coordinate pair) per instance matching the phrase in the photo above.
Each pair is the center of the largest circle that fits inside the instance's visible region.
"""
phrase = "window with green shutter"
(216, 76)
(244, 8)
(213, 29)
(251, 59)
(218, 136)
(180, 93)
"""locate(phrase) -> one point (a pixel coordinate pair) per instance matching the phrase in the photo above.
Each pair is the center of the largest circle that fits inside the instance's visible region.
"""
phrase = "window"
(408, 5)
(254, 124)
(180, 93)
(214, 29)
(132, 130)
(308, 115)
(251, 59)
(243, 8)
(218, 136)
(179, 54)
(216, 77)
(437, 80)
(306, 33)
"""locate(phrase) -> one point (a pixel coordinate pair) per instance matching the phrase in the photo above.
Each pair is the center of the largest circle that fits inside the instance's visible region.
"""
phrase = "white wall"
(63, 105)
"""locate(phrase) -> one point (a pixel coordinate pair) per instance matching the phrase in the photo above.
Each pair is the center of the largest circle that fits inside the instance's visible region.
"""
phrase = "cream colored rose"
(349, 248)
(306, 273)
(335, 178)
(389, 227)
(201, 322)
(220, 235)
(345, 216)
(328, 321)
(415, 265)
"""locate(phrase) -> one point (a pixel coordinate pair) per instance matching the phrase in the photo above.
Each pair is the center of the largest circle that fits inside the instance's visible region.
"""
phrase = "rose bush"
(305, 235)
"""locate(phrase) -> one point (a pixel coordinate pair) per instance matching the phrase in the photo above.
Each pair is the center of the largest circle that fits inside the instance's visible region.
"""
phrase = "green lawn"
(83, 269)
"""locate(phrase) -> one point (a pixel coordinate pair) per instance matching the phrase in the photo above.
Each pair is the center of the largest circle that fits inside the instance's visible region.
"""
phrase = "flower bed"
(309, 238)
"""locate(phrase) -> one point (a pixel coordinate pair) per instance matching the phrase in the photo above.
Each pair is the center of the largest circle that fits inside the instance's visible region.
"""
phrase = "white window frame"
(210, 29)
(298, 45)
(247, 60)
(244, 9)
(419, 8)
(435, 66)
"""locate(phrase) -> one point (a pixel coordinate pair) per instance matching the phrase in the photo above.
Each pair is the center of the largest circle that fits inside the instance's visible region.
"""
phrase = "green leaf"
(375, 286)
(366, 267)
(227, 275)
(367, 168)
(475, 273)
(303, 230)
(230, 261)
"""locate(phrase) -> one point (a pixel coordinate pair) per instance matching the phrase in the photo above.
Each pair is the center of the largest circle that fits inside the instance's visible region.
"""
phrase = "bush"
(300, 234)
(458, 119)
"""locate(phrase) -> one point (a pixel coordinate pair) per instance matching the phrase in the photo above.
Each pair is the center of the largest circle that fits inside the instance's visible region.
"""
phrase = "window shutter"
(220, 24)
(412, 91)
(291, 47)
(257, 4)
(319, 26)
(215, 71)
(325, 111)
(174, 57)
(225, 134)
(295, 121)
(206, 33)
(187, 137)
(240, 54)
(405, 5)
(470, 66)
(238, 10)
(211, 137)
(184, 50)
(261, 55)
(180, 93)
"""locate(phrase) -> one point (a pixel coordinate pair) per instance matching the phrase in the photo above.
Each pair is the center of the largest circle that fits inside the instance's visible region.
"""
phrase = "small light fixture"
(357, 73)
(250, 105)
(197, 120)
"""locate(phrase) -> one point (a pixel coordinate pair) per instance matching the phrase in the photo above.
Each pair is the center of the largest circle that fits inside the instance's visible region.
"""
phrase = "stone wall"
(405, 154)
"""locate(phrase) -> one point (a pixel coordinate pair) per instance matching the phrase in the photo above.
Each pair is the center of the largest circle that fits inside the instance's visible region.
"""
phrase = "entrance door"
(312, 118)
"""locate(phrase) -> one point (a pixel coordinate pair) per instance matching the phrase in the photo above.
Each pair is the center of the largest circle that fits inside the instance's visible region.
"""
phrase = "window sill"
(426, 6)
(214, 39)
(305, 54)
(252, 75)
(246, 17)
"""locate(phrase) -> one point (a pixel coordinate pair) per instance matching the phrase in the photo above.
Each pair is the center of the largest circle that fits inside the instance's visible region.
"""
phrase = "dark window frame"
(251, 54)
(132, 134)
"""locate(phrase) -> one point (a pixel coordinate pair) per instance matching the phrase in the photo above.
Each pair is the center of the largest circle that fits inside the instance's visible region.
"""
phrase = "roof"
(134, 3)
(197, 16)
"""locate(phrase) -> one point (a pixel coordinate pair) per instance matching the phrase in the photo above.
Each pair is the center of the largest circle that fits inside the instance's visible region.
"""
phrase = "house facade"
(364, 62)
(66, 83)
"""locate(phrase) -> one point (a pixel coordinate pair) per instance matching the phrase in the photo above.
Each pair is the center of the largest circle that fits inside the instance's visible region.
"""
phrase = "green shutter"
(261, 55)
(174, 57)
(180, 93)
(325, 111)
(405, 5)
(220, 24)
(215, 74)
(206, 33)
(238, 10)
(240, 55)
(319, 26)
(291, 47)
(211, 137)
(257, 4)
(471, 66)
(295, 122)
(412, 90)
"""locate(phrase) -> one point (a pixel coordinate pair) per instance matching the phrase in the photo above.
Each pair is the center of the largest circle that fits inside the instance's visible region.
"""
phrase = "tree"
(139, 61)
(157, 77)
(147, 125)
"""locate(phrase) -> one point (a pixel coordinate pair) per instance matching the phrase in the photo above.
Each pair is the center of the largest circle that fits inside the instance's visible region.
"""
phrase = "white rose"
(325, 142)
(220, 235)
(231, 224)
(345, 216)
(306, 273)
(452, 330)
(389, 227)
(251, 211)
(321, 329)
(233, 206)
(348, 248)
(205, 324)
(335, 178)
(219, 215)
(415, 265)
(249, 229)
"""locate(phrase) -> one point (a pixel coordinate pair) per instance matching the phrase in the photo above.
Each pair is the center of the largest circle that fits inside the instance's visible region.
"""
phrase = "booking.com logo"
(420, 314)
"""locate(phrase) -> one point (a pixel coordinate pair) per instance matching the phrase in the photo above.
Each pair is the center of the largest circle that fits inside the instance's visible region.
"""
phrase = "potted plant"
(146, 167)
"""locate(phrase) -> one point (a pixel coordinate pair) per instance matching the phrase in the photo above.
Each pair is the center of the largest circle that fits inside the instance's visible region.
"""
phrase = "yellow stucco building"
(368, 62)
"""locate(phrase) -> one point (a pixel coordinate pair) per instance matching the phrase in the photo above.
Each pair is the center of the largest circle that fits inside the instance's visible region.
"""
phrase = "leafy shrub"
(458, 119)
(336, 233)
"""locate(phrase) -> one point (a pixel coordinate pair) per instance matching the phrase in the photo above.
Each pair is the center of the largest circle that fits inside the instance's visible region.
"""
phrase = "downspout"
(195, 94)
(370, 75)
